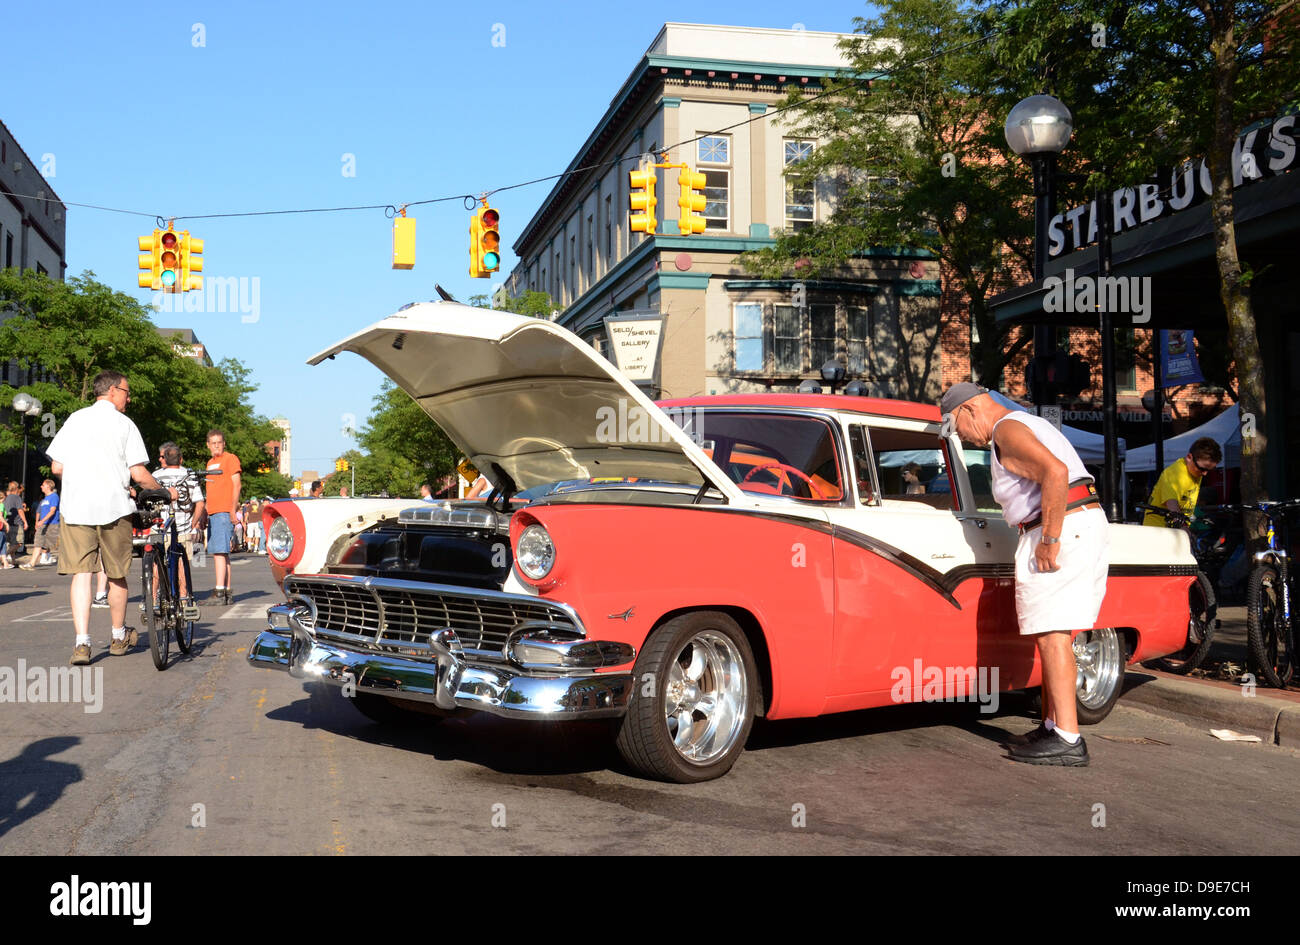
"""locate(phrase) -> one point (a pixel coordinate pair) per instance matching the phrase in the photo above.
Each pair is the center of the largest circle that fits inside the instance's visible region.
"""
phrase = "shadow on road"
(508, 746)
(31, 783)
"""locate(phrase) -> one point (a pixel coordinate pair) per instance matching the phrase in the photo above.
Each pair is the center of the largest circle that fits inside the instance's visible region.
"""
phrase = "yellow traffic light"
(148, 259)
(475, 247)
(691, 202)
(191, 252)
(403, 242)
(484, 243)
(340, 465)
(642, 200)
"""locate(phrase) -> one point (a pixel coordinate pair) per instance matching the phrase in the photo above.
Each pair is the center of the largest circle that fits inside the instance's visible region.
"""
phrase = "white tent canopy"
(1225, 429)
(1091, 447)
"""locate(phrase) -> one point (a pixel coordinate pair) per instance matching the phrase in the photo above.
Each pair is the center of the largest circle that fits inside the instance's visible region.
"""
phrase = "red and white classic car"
(682, 567)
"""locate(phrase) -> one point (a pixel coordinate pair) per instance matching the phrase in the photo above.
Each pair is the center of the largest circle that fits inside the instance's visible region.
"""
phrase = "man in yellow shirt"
(1179, 486)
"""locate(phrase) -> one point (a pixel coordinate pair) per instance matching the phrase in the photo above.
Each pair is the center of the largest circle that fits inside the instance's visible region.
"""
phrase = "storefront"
(1164, 274)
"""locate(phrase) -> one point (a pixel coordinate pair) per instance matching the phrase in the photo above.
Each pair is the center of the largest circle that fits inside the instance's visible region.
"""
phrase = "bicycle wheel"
(1200, 630)
(1268, 650)
(154, 625)
(184, 628)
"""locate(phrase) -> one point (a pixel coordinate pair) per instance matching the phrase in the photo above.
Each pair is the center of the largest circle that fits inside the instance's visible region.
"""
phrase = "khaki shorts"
(84, 547)
(49, 539)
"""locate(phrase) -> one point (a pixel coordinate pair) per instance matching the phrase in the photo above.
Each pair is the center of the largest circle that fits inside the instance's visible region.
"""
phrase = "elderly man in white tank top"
(1062, 559)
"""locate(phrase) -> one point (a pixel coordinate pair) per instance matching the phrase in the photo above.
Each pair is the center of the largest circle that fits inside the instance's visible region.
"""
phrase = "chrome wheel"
(698, 689)
(705, 697)
(1100, 658)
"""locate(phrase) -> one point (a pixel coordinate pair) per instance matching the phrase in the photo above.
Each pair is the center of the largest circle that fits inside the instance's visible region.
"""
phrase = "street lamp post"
(29, 407)
(1038, 129)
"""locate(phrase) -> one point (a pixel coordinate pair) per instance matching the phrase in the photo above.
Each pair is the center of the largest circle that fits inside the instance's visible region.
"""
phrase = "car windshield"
(792, 456)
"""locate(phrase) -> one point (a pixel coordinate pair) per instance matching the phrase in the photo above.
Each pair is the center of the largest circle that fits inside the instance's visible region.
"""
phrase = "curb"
(1275, 721)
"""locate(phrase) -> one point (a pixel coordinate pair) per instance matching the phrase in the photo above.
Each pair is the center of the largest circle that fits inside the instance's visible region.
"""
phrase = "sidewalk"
(1272, 714)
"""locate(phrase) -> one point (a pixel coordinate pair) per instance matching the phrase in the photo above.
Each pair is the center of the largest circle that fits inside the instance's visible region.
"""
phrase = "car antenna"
(446, 296)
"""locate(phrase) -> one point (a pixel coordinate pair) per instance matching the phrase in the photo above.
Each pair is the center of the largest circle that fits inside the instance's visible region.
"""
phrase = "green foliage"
(912, 151)
(75, 329)
(403, 447)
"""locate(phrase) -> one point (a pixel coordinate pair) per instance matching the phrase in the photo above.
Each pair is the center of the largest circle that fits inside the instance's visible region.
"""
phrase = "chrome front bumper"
(442, 675)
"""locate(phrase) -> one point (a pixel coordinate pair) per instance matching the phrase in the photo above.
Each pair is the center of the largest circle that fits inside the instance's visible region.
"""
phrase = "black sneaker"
(1028, 738)
(100, 600)
(1052, 750)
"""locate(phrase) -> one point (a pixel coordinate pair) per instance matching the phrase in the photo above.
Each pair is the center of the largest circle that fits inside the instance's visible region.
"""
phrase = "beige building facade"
(707, 94)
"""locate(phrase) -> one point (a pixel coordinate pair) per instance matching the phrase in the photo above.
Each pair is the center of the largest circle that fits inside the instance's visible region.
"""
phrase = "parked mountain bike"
(166, 613)
(1209, 549)
(1270, 632)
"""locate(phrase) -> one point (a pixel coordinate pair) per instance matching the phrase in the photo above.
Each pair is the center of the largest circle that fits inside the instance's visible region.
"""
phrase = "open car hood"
(528, 396)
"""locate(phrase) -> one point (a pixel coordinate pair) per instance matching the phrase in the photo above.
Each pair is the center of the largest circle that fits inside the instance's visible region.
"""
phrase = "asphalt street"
(215, 757)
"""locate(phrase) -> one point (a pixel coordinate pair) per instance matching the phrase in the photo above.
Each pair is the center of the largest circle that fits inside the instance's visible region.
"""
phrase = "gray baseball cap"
(958, 394)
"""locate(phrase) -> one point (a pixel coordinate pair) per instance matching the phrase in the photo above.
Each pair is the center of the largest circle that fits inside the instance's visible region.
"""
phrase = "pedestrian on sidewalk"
(98, 452)
(223, 500)
(47, 527)
(1062, 559)
(16, 518)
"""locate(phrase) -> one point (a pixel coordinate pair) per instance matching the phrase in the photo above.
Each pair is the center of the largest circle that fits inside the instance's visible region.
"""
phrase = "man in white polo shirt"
(1062, 559)
(98, 452)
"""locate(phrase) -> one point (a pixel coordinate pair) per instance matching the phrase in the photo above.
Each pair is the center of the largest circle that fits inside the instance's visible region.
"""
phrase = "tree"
(910, 143)
(403, 446)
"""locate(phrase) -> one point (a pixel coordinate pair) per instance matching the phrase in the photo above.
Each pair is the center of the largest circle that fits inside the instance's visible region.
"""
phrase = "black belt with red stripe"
(1082, 492)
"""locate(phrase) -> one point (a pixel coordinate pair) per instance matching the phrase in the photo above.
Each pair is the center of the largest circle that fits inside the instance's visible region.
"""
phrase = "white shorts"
(1070, 597)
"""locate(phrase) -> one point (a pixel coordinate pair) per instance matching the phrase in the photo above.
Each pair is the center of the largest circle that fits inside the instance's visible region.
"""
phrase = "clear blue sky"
(260, 117)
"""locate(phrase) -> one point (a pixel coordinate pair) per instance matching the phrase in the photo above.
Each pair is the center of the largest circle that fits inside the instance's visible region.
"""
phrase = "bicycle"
(1203, 604)
(170, 614)
(1270, 634)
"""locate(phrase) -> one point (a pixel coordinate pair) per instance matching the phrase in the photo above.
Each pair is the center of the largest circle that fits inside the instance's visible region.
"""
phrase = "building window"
(41, 270)
(714, 149)
(749, 336)
(609, 231)
(787, 340)
(716, 206)
(859, 332)
(800, 199)
(822, 323)
(1125, 360)
(591, 247)
(573, 266)
(9, 250)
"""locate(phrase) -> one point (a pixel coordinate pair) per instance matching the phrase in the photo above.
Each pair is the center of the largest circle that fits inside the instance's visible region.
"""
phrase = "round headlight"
(536, 552)
(279, 540)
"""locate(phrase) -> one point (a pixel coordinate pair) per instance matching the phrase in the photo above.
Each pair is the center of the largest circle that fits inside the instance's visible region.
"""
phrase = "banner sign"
(635, 342)
(1178, 361)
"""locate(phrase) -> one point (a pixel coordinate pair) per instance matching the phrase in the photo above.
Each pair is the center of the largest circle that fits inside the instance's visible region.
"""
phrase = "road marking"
(248, 610)
(56, 613)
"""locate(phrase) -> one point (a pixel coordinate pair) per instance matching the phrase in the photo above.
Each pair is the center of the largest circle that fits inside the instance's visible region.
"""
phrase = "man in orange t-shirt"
(223, 499)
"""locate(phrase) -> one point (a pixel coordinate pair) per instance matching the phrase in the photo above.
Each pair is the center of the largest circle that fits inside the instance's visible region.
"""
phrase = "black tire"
(1100, 680)
(395, 712)
(184, 628)
(656, 741)
(159, 633)
(1270, 655)
(1203, 608)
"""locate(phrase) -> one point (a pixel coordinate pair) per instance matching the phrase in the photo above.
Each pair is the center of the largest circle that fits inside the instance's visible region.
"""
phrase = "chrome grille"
(354, 611)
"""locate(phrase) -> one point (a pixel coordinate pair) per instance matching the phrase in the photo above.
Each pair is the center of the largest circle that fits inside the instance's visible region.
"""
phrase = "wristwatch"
(1050, 541)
